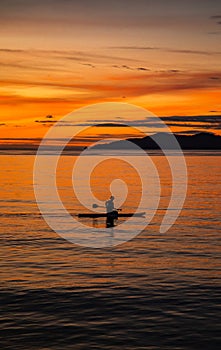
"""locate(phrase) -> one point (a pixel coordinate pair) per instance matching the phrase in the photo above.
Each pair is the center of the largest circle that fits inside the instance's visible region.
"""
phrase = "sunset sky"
(59, 55)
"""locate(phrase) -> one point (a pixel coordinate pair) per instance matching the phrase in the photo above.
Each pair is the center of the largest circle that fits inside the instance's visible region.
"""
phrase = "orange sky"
(160, 55)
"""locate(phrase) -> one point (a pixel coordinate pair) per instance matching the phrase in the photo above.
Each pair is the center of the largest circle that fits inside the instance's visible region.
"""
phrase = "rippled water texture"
(158, 291)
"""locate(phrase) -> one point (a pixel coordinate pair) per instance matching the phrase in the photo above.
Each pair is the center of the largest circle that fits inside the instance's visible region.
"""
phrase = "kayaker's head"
(111, 198)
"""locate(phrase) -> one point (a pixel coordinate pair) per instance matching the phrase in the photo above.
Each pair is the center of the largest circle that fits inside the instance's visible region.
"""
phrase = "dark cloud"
(21, 139)
(199, 118)
(173, 71)
(205, 122)
(88, 65)
(193, 126)
(188, 132)
(130, 67)
(112, 125)
(46, 121)
(11, 50)
(214, 33)
(216, 17)
(143, 69)
(126, 67)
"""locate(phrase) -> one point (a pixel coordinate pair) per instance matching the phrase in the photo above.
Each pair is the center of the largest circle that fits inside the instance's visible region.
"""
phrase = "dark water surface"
(158, 291)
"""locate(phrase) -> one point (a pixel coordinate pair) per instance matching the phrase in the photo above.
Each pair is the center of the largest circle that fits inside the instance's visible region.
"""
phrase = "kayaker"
(109, 204)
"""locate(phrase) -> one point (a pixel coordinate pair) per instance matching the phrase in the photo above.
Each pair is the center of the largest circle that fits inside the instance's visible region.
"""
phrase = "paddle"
(101, 206)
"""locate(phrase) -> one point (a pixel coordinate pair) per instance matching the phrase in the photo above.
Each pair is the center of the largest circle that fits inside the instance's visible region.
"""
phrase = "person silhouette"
(109, 204)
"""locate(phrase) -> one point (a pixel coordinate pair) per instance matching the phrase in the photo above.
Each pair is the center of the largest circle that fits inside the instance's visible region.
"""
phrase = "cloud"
(18, 100)
(88, 64)
(169, 50)
(198, 118)
(55, 59)
(143, 69)
(174, 71)
(112, 125)
(86, 55)
(216, 17)
(214, 33)
(129, 83)
(11, 50)
(124, 66)
(28, 66)
(188, 132)
(46, 121)
(190, 122)
(193, 126)
(204, 122)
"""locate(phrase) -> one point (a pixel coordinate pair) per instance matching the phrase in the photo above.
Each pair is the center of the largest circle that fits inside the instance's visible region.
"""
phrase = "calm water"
(158, 291)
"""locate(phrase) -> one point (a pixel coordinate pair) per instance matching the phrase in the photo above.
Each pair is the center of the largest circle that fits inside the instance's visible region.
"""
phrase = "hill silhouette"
(200, 141)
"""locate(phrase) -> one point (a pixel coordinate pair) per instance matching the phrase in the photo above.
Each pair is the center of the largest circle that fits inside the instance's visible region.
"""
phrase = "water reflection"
(158, 291)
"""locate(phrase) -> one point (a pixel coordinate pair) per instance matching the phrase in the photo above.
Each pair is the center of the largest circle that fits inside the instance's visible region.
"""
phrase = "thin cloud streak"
(216, 17)
(164, 49)
(72, 55)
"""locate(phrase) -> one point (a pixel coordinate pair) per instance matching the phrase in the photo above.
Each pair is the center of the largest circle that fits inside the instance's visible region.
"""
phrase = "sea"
(159, 290)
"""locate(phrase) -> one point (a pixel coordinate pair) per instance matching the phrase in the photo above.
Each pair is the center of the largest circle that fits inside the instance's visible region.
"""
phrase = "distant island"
(199, 141)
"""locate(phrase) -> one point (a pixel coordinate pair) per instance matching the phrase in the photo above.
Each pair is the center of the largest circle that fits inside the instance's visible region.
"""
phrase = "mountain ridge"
(203, 140)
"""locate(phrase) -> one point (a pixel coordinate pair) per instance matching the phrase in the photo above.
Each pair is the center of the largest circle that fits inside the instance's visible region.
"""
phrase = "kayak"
(104, 215)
